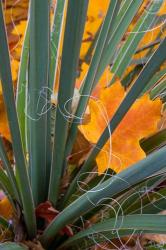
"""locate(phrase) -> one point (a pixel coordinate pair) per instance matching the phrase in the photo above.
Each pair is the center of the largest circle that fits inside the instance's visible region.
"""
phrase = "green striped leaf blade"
(145, 22)
(143, 78)
(75, 22)
(12, 246)
(108, 189)
(38, 73)
(21, 168)
(109, 228)
(107, 45)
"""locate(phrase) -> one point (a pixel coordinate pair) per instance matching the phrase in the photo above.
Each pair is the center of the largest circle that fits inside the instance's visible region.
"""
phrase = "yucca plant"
(49, 208)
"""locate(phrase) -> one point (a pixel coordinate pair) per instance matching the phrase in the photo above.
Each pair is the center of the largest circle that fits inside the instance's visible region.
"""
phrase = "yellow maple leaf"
(96, 13)
(123, 148)
(103, 81)
(6, 209)
(162, 10)
(15, 11)
(4, 129)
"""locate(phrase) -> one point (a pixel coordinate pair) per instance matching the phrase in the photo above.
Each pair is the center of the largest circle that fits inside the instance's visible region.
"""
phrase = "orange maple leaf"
(4, 129)
(123, 148)
(162, 10)
(6, 209)
(95, 15)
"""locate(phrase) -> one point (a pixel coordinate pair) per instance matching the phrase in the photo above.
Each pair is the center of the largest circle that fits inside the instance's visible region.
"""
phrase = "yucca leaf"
(38, 94)
(7, 87)
(154, 207)
(108, 189)
(128, 79)
(153, 142)
(4, 223)
(116, 36)
(153, 202)
(160, 34)
(21, 89)
(75, 21)
(149, 223)
(105, 239)
(11, 246)
(141, 61)
(136, 197)
(140, 83)
(159, 89)
(149, 45)
(55, 40)
(7, 166)
(93, 182)
(142, 195)
(89, 53)
(123, 204)
(104, 51)
(54, 68)
(123, 6)
(6, 185)
(157, 246)
(146, 21)
(163, 98)
(155, 79)
(87, 85)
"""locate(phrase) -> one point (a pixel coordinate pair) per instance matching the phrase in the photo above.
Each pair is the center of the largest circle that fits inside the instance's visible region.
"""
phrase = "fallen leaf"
(6, 210)
(96, 13)
(122, 149)
(162, 10)
(9, 150)
(47, 212)
(4, 129)
(80, 150)
(159, 238)
(33, 245)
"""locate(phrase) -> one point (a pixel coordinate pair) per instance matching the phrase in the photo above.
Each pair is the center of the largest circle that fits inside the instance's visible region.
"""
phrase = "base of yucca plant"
(35, 245)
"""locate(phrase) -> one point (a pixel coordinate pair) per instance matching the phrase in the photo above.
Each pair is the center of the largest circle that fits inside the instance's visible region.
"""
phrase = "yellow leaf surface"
(5, 208)
(96, 13)
(162, 10)
(123, 148)
(15, 11)
(104, 80)
(4, 130)
(152, 33)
